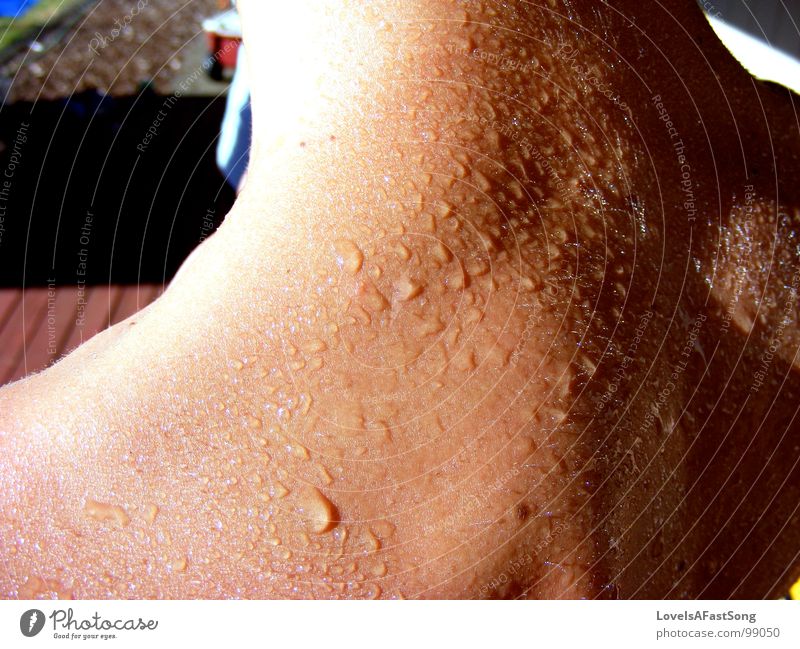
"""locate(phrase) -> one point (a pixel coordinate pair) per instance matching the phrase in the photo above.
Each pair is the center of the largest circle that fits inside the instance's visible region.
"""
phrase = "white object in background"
(759, 58)
(227, 24)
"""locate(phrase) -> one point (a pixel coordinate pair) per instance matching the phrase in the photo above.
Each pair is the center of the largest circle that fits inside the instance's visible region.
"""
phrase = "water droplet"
(481, 181)
(349, 256)
(278, 490)
(38, 588)
(464, 361)
(402, 251)
(179, 565)
(382, 529)
(371, 298)
(477, 268)
(325, 475)
(429, 326)
(340, 535)
(427, 223)
(370, 542)
(444, 209)
(253, 422)
(456, 280)
(317, 511)
(299, 451)
(315, 346)
(407, 289)
(150, 513)
(441, 253)
(105, 512)
(379, 570)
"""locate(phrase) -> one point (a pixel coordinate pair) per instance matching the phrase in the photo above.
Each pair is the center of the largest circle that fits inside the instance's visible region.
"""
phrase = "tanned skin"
(506, 308)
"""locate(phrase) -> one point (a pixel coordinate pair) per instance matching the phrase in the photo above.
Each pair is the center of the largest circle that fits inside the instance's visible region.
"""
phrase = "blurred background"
(109, 121)
(110, 114)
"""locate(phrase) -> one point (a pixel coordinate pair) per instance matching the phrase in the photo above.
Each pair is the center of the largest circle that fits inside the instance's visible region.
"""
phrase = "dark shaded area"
(101, 189)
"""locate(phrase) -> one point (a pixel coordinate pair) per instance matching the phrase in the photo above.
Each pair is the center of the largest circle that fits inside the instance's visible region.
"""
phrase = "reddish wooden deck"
(39, 325)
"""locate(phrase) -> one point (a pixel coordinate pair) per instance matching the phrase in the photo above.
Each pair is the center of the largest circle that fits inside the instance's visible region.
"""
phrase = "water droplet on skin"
(379, 570)
(370, 542)
(441, 253)
(38, 588)
(237, 365)
(481, 181)
(382, 529)
(179, 565)
(427, 223)
(317, 511)
(253, 422)
(315, 346)
(104, 512)
(464, 361)
(588, 364)
(299, 451)
(349, 256)
(278, 490)
(516, 190)
(371, 298)
(402, 251)
(407, 289)
(340, 535)
(444, 209)
(325, 475)
(477, 268)
(429, 326)
(150, 513)
(456, 280)
(306, 400)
